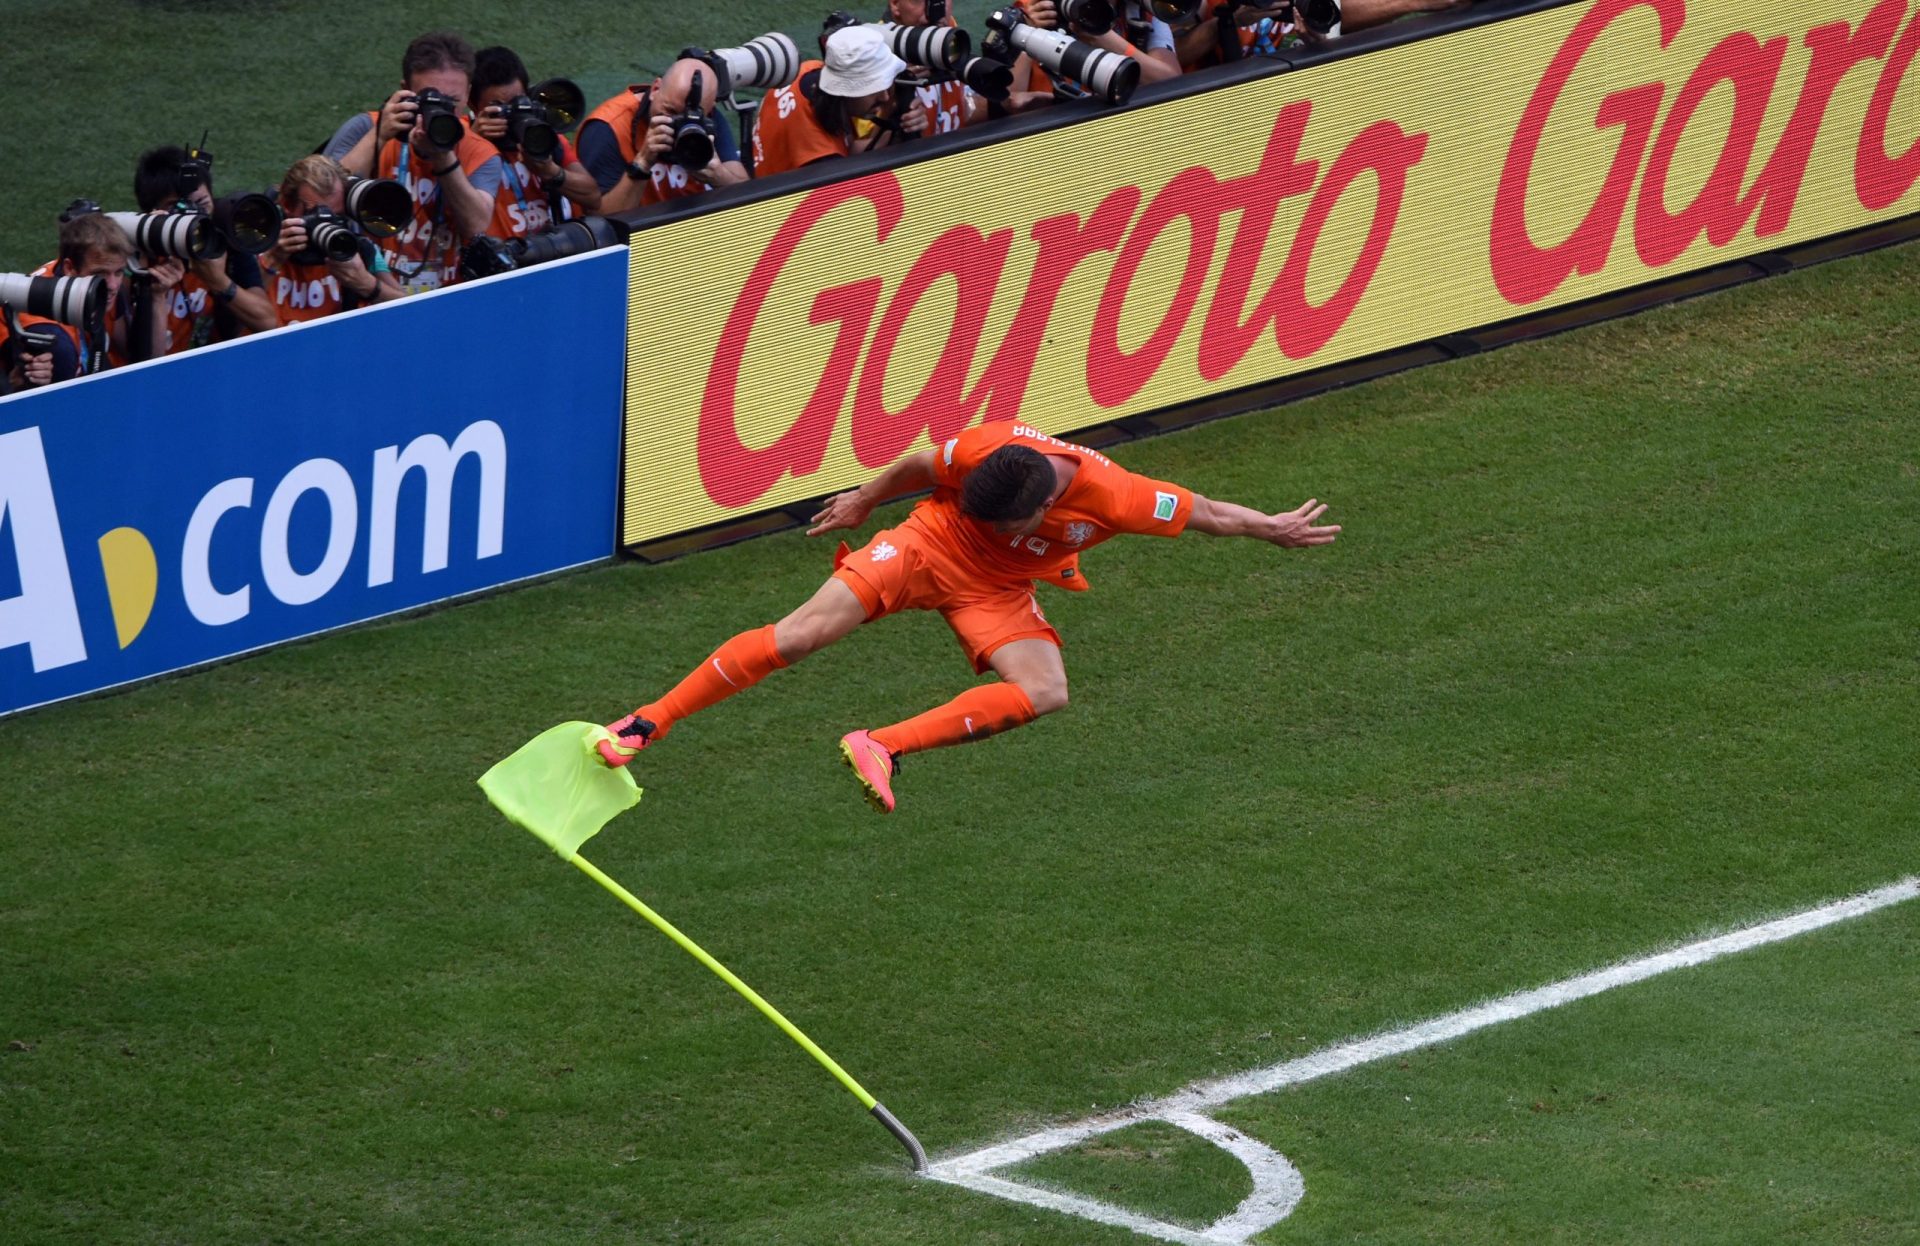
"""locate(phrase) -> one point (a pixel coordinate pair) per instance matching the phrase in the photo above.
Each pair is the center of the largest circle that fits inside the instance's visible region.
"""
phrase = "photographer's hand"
(165, 274)
(353, 277)
(37, 369)
(1044, 14)
(659, 140)
(490, 123)
(917, 120)
(292, 241)
(397, 115)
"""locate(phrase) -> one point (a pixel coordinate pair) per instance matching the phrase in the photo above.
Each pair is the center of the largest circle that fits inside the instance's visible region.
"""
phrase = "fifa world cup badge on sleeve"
(1164, 505)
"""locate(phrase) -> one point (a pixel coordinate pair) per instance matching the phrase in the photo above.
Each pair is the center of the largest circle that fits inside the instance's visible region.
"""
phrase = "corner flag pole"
(792, 1031)
(559, 791)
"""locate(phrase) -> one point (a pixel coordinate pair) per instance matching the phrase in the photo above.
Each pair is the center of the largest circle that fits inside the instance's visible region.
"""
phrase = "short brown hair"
(1013, 483)
(438, 49)
(319, 174)
(91, 231)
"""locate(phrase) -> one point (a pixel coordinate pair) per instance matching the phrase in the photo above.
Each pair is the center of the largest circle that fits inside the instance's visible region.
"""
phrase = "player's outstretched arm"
(1293, 529)
(850, 509)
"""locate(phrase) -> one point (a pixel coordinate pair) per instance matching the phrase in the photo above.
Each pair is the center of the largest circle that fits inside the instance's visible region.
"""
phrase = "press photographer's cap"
(859, 62)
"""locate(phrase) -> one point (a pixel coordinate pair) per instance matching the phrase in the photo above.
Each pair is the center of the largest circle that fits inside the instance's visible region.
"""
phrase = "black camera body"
(530, 128)
(328, 239)
(439, 118)
(692, 143)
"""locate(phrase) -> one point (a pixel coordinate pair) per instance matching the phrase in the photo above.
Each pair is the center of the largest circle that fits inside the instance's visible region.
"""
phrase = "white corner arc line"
(973, 1170)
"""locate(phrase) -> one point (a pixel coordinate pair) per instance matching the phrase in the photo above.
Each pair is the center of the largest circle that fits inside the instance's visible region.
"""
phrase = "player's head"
(1010, 490)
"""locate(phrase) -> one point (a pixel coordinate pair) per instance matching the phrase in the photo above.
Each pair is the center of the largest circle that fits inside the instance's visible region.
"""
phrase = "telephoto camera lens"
(1108, 75)
(381, 205)
(945, 48)
(772, 60)
(250, 223)
(563, 99)
(988, 77)
(170, 235)
(78, 301)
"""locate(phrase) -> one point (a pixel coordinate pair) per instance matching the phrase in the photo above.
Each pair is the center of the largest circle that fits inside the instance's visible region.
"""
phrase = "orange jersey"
(427, 252)
(786, 132)
(949, 105)
(301, 292)
(1102, 501)
(520, 207)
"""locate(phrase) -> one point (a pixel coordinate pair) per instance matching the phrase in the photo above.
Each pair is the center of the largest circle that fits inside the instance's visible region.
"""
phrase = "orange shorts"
(910, 568)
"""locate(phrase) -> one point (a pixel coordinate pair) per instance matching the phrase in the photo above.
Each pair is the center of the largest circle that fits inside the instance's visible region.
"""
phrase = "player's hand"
(1295, 529)
(843, 510)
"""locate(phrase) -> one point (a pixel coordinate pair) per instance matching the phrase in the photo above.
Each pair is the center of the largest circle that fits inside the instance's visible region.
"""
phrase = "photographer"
(212, 300)
(419, 139)
(1222, 31)
(91, 245)
(1139, 32)
(302, 283)
(626, 142)
(834, 108)
(535, 191)
(940, 105)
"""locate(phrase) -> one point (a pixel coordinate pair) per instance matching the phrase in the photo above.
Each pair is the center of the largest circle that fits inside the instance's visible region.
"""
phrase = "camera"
(945, 48)
(528, 128)
(328, 239)
(439, 118)
(769, 61)
(247, 222)
(1320, 16)
(691, 145)
(1093, 17)
(380, 205)
(195, 171)
(563, 99)
(987, 77)
(1108, 75)
(186, 233)
(487, 257)
(78, 301)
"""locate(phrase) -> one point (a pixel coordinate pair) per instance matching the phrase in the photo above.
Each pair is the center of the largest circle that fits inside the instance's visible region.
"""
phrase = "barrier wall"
(194, 508)
(1188, 247)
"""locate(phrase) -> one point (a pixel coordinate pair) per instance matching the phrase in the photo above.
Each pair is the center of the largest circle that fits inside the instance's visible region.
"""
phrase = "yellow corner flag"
(556, 786)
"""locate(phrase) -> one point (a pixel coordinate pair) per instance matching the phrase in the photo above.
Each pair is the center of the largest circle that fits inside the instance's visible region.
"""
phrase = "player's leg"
(833, 611)
(1006, 633)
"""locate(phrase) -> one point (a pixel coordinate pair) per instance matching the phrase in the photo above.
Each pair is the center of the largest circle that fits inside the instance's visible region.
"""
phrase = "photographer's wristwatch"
(227, 295)
(554, 181)
(639, 171)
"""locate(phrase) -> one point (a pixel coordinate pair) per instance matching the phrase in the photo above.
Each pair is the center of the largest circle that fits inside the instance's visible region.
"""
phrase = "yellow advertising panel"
(791, 347)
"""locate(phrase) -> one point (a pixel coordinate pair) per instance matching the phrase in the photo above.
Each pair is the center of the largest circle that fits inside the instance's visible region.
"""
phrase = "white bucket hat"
(859, 62)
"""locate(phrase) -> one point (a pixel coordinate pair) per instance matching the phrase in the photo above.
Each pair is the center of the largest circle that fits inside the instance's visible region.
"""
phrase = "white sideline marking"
(1278, 1185)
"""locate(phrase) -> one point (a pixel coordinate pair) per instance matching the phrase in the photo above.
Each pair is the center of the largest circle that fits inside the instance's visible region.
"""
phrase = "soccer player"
(1010, 505)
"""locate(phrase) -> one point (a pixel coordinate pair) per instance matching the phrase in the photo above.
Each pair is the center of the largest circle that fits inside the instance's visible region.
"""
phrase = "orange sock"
(735, 666)
(973, 715)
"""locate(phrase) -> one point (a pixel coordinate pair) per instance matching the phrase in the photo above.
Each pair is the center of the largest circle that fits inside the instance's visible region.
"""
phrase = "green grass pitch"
(1617, 650)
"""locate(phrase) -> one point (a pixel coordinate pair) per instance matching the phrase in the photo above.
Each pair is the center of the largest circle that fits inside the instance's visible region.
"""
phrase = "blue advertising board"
(197, 507)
